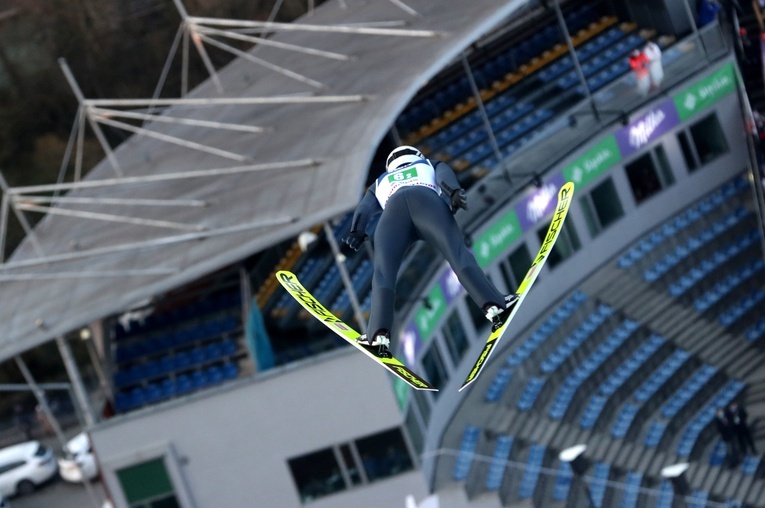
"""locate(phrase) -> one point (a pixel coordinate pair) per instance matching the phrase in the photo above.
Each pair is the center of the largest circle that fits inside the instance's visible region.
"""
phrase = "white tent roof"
(309, 166)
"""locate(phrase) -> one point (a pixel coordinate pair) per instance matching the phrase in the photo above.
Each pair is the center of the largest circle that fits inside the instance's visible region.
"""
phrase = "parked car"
(78, 460)
(25, 466)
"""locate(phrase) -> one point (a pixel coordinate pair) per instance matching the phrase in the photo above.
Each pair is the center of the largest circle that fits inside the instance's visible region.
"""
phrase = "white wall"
(233, 443)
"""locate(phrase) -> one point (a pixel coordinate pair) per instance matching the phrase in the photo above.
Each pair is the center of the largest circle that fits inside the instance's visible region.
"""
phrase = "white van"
(25, 466)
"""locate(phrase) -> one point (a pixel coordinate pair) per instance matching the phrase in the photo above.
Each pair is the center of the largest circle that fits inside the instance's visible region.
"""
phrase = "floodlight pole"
(339, 261)
(43, 403)
(482, 110)
(76, 380)
(3, 225)
(575, 58)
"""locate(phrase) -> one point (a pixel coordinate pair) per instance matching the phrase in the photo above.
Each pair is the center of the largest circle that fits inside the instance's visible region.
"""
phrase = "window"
(519, 261)
(11, 466)
(649, 174)
(351, 464)
(688, 154)
(317, 474)
(703, 142)
(456, 339)
(415, 432)
(343, 466)
(148, 485)
(708, 139)
(643, 177)
(384, 454)
(423, 405)
(602, 207)
(433, 366)
(476, 314)
(567, 244)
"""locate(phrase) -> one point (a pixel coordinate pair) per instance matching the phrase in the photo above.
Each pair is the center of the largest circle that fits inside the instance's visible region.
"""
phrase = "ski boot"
(379, 345)
(498, 316)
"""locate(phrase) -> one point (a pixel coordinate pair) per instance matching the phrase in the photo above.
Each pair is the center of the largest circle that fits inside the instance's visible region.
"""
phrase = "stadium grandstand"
(220, 391)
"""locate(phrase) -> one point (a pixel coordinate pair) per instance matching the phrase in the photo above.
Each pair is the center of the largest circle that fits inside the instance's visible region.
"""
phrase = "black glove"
(457, 197)
(354, 239)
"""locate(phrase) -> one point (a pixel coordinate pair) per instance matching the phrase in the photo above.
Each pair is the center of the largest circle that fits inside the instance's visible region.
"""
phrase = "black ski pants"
(417, 213)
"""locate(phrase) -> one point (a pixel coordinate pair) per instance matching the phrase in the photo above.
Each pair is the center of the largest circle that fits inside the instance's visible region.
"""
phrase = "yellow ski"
(291, 283)
(565, 194)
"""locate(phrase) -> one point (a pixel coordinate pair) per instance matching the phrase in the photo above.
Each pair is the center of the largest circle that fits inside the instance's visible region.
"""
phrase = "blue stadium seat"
(498, 384)
(183, 384)
(168, 388)
(531, 473)
(530, 393)
(466, 453)
(230, 370)
(215, 374)
(562, 482)
(199, 379)
(499, 461)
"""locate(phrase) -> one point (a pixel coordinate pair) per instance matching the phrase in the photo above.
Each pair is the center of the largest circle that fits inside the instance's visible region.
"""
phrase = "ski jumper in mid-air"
(409, 194)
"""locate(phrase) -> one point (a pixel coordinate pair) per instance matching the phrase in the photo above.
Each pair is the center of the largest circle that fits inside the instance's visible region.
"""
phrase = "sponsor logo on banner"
(540, 203)
(594, 162)
(495, 240)
(705, 92)
(450, 285)
(410, 344)
(427, 318)
(647, 128)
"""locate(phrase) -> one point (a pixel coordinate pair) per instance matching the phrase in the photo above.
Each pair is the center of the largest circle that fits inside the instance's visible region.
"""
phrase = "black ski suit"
(417, 213)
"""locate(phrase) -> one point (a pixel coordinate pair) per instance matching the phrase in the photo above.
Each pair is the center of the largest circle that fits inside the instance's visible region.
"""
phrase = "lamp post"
(676, 475)
(574, 457)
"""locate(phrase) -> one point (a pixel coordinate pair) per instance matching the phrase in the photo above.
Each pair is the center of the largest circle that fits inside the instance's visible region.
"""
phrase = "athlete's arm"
(366, 209)
(447, 180)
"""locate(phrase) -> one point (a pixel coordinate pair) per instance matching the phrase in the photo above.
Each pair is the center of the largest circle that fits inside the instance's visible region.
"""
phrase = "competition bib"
(419, 173)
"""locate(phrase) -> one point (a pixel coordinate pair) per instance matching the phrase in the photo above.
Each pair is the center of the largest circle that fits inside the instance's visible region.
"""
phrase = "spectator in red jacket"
(639, 63)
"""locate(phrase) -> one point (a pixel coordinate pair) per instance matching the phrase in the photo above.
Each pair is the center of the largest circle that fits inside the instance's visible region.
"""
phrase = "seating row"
(174, 363)
(179, 314)
(660, 376)
(704, 418)
(718, 258)
(632, 489)
(178, 339)
(694, 243)
(576, 339)
(693, 213)
(466, 453)
(655, 434)
(755, 331)
(688, 390)
(422, 111)
(360, 280)
(736, 311)
(531, 472)
(589, 367)
(624, 420)
(169, 387)
(498, 462)
(728, 284)
(622, 373)
(530, 393)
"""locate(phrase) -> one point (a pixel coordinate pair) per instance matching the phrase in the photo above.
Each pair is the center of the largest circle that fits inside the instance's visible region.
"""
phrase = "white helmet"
(402, 156)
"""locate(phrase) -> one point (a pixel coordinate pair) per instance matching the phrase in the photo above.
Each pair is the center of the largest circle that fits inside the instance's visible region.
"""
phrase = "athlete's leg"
(436, 225)
(394, 234)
